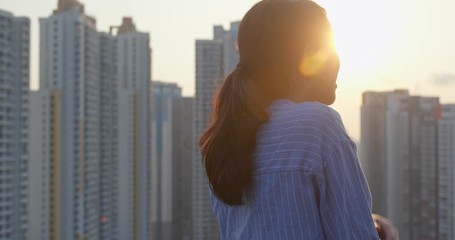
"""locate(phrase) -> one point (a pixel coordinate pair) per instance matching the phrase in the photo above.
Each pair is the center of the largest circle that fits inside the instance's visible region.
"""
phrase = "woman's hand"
(385, 228)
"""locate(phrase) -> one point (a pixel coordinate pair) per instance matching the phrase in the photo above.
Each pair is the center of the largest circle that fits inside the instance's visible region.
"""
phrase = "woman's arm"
(345, 203)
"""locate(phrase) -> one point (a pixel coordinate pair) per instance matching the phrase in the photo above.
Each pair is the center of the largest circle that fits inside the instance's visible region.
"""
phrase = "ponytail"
(228, 144)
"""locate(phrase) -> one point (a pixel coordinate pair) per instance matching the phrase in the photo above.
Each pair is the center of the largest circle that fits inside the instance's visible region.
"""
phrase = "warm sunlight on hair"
(315, 58)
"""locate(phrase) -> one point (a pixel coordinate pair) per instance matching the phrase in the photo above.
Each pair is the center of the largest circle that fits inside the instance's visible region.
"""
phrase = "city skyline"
(412, 49)
(108, 157)
(407, 155)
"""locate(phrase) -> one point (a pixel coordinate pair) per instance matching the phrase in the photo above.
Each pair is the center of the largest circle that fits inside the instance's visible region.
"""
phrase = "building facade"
(109, 138)
(214, 60)
(14, 119)
(446, 170)
(90, 130)
(133, 64)
(383, 152)
(68, 149)
(183, 136)
(162, 165)
(171, 162)
(423, 170)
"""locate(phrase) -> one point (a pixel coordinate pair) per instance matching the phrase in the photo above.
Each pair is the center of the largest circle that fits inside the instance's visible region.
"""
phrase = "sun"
(363, 32)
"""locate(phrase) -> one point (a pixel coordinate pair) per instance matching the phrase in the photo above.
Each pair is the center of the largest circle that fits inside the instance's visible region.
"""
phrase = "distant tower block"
(64, 5)
(127, 25)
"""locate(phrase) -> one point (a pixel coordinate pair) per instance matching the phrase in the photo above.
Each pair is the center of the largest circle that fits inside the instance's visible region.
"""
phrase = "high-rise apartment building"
(182, 140)
(162, 154)
(401, 155)
(14, 118)
(384, 151)
(446, 172)
(423, 163)
(66, 113)
(214, 60)
(109, 139)
(90, 130)
(133, 64)
(171, 162)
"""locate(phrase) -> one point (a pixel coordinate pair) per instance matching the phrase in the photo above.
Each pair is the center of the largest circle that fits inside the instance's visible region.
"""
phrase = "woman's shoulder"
(308, 119)
(307, 113)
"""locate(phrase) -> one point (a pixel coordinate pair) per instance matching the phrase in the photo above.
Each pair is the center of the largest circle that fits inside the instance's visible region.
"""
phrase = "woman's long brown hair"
(270, 41)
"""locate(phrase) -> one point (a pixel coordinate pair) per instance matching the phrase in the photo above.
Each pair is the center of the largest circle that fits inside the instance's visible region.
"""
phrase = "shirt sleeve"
(345, 200)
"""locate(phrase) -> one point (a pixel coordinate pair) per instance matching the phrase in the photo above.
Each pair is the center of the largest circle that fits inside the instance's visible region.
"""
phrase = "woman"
(278, 159)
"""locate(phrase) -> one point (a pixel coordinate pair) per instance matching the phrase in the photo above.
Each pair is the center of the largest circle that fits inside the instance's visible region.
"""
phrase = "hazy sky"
(383, 44)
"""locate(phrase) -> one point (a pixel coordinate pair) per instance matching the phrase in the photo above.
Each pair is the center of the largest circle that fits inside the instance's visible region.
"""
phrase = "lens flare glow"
(313, 62)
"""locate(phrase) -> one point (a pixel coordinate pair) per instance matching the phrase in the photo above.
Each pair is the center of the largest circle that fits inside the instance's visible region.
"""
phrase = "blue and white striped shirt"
(307, 181)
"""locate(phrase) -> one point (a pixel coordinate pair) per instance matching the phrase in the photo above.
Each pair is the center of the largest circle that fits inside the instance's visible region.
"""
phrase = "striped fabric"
(307, 183)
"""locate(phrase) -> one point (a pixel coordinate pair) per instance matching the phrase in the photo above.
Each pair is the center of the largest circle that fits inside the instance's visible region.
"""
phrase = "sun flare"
(363, 33)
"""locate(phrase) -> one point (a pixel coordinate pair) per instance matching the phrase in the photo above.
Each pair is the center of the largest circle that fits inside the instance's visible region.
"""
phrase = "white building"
(214, 60)
(399, 155)
(90, 130)
(65, 147)
(133, 64)
(14, 117)
(446, 168)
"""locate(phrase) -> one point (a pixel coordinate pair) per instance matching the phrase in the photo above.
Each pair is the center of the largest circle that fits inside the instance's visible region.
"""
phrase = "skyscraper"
(14, 118)
(399, 139)
(109, 139)
(214, 59)
(446, 172)
(133, 64)
(162, 164)
(423, 160)
(384, 151)
(65, 128)
(90, 130)
(182, 140)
